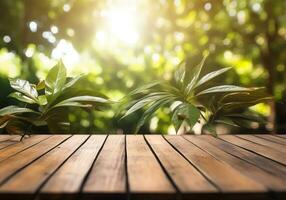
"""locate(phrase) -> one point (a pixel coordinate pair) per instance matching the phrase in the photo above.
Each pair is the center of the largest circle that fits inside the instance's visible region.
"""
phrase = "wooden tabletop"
(143, 167)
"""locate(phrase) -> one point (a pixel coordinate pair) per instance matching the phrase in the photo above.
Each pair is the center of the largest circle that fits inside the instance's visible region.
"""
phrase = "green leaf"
(71, 104)
(4, 120)
(211, 76)
(142, 102)
(55, 81)
(21, 97)
(248, 116)
(254, 94)
(144, 88)
(42, 99)
(73, 81)
(75, 101)
(226, 121)
(185, 112)
(16, 110)
(238, 105)
(196, 74)
(179, 74)
(176, 121)
(24, 87)
(224, 89)
(41, 85)
(2, 125)
(193, 115)
(151, 110)
(210, 128)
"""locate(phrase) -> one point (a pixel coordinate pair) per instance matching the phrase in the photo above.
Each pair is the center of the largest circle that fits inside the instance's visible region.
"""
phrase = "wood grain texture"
(250, 157)
(42, 168)
(102, 167)
(68, 179)
(257, 148)
(21, 146)
(268, 180)
(273, 139)
(270, 144)
(108, 175)
(12, 164)
(109, 167)
(7, 141)
(145, 175)
(187, 178)
(9, 137)
(216, 170)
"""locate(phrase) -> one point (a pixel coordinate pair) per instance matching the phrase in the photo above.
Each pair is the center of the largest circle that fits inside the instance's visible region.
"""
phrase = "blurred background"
(123, 44)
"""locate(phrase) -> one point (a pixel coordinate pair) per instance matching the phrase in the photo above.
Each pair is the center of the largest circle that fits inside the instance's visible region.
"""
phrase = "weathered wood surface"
(143, 167)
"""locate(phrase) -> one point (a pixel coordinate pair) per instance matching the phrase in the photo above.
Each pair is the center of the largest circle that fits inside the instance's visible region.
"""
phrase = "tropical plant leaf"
(145, 101)
(226, 121)
(21, 97)
(72, 104)
(150, 111)
(239, 105)
(224, 89)
(4, 120)
(72, 82)
(211, 76)
(80, 101)
(254, 94)
(216, 104)
(248, 116)
(9, 110)
(179, 74)
(210, 128)
(41, 85)
(42, 100)
(176, 121)
(185, 112)
(196, 72)
(144, 88)
(24, 87)
(55, 81)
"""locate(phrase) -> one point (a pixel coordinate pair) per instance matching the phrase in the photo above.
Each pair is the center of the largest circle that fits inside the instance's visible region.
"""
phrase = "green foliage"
(248, 35)
(198, 100)
(47, 103)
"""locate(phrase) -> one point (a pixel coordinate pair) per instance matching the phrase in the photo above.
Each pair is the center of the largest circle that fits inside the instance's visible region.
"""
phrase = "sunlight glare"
(65, 51)
(121, 24)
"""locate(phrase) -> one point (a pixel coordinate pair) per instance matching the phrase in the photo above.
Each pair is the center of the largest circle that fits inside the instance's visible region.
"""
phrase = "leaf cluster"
(47, 103)
(196, 98)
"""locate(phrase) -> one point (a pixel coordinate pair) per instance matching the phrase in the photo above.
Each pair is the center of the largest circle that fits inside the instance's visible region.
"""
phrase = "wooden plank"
(257, 140)
(37, 172)
(272, 182)
(8, 137)
(257, 148)
(146, 177)
(67, 181)
(8, 142)
(191, 183)
(228, 179)
(20, 160)
(280, 135)
(253, 158)
(107, 178)
(21, 146)
(272, 138)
